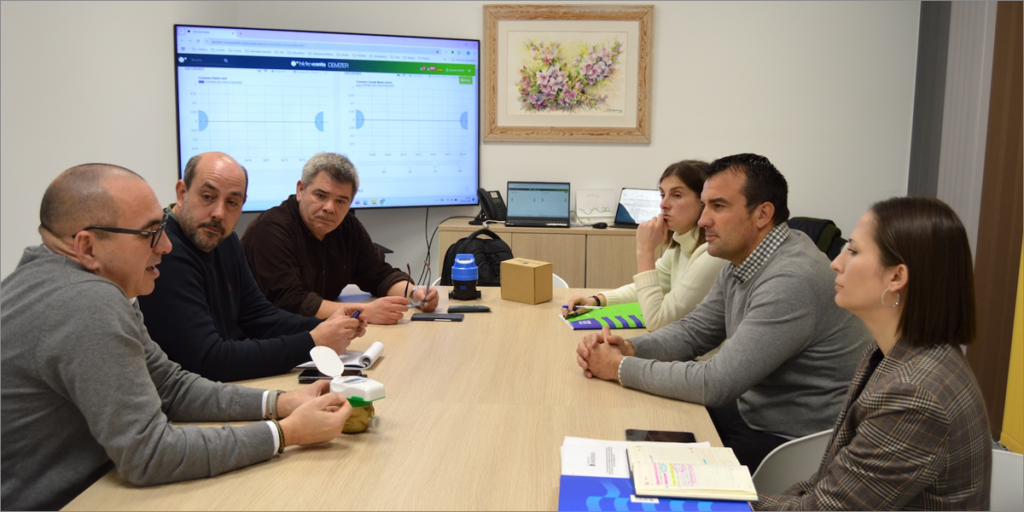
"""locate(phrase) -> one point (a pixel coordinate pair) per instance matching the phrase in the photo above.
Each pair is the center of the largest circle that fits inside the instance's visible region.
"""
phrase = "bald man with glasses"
(85, 389)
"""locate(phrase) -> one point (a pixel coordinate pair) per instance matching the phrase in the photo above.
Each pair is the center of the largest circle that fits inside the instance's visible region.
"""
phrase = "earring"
(897, 303)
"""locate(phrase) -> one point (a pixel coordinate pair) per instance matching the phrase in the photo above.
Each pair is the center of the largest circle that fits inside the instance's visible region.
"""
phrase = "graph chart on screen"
(408, 117)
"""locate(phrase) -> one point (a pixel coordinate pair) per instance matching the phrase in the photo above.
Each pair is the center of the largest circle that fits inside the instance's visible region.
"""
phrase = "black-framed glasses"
(153, 233)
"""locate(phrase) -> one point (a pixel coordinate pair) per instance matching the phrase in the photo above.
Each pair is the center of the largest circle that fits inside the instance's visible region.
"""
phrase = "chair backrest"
(823, 232)
(1007, 475)
(558, 282)
(791, 462)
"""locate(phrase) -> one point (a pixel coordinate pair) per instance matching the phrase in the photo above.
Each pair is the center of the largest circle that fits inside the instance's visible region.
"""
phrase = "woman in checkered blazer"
(914, 432)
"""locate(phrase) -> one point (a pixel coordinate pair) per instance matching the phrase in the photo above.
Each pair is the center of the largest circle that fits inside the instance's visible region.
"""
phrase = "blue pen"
(356, 314)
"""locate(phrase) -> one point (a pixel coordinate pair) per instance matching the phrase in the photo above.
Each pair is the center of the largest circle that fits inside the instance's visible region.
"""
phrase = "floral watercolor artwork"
(559, 76)
(567, 73)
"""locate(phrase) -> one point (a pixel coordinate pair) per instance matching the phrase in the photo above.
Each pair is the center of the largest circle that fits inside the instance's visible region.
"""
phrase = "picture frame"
(567, 73)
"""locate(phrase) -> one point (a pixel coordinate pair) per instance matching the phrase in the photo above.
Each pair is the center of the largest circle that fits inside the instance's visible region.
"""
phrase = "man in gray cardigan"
(790, 354)
(84, 388)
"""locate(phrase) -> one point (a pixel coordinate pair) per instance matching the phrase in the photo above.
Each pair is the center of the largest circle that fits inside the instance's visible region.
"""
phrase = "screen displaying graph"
(404, 110)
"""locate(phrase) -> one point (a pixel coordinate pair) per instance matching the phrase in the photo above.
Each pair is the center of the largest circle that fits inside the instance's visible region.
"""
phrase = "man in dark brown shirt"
(304, 251)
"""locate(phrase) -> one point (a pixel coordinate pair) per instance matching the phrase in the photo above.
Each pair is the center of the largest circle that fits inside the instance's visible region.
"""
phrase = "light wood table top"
(474, 417)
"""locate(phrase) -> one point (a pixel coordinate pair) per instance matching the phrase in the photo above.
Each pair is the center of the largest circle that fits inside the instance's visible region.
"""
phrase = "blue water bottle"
(464, 278)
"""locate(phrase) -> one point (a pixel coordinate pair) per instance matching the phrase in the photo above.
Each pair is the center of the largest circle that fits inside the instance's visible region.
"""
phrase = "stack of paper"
(596, 476)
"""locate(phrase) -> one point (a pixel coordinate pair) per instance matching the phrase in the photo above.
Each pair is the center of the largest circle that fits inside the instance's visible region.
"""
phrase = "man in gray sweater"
(84, 388)
(790, 354)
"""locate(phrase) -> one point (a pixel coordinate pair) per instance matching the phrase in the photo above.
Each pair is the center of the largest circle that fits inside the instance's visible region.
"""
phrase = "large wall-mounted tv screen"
(405, 110)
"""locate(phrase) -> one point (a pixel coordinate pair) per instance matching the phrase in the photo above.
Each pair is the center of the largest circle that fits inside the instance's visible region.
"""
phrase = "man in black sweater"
(208, 314)
(303, 252)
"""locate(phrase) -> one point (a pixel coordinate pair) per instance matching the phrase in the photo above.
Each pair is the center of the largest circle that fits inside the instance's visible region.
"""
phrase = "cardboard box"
(527, 281)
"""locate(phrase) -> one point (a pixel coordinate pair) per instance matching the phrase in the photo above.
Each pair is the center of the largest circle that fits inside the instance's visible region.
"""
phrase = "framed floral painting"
(577, 73)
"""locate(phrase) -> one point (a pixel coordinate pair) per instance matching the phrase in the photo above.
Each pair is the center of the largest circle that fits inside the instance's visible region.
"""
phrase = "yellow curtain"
(1013, 423)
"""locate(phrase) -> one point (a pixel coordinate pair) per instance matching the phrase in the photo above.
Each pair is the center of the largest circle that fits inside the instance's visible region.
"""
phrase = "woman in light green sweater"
(671, 287)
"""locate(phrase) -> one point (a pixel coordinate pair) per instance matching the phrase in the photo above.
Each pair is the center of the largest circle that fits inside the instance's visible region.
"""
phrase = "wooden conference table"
(474, 417)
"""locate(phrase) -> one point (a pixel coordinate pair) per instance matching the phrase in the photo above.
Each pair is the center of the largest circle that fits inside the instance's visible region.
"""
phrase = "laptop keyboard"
(535, 224)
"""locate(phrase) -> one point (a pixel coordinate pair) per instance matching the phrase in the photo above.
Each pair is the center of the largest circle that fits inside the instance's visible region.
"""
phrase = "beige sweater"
(680, 280)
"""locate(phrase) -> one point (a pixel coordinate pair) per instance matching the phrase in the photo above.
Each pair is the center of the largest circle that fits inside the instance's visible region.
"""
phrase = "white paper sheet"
(595, 460)
(596, 205)
(598, 457)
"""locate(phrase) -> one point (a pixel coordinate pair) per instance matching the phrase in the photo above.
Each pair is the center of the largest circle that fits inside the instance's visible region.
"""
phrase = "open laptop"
(637, 205)
(537, 204)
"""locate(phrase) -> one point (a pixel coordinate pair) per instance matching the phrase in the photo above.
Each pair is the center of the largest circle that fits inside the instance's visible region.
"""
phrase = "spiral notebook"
(356, 359)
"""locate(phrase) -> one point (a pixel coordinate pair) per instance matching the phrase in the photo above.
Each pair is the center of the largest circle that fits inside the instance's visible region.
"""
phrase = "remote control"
(468, 309)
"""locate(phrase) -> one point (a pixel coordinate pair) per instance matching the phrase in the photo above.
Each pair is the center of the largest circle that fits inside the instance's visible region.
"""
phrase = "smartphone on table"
(664, 436)
(437, 317)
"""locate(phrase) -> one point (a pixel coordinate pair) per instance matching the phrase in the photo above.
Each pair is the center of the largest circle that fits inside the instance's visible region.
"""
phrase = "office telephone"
(492, 206)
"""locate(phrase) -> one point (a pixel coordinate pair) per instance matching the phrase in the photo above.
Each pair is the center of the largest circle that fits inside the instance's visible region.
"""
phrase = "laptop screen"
(535, 200)
(637, 205)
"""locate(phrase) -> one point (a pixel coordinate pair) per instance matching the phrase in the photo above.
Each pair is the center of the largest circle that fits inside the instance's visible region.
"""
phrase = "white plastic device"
(359, 391)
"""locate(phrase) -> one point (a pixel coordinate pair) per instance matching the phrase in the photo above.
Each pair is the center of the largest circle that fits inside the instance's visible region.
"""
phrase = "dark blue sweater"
(206, 305)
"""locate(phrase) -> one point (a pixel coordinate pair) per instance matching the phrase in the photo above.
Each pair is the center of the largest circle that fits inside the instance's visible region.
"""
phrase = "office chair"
(558, 282)
(790, 463)
(823, 233)
(1007, 474)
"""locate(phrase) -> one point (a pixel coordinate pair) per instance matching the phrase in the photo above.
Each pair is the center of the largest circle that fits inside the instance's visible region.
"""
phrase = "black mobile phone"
(665, 436)
(469, 309)
(311, 375)
(437, 317)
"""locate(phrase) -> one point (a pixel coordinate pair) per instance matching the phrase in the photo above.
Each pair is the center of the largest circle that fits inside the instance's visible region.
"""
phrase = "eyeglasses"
(153, 233)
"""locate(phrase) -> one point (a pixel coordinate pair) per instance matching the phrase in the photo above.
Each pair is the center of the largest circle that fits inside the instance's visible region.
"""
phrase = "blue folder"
(601, 493)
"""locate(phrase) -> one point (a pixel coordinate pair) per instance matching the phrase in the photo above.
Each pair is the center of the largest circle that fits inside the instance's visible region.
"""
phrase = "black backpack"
(488, 255)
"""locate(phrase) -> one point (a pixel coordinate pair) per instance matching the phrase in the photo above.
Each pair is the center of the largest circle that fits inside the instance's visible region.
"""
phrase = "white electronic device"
(360, 391)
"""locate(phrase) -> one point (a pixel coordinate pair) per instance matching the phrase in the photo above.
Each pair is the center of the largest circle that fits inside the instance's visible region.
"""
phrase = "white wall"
(85, 82)
(824, 89)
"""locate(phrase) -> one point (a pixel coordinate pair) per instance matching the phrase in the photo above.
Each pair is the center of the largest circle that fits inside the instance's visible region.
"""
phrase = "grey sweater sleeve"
(693, 335)
(778, 322)
(122, 382)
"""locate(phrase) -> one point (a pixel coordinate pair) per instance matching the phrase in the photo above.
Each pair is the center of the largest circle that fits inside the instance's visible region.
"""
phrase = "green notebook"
(619, 316)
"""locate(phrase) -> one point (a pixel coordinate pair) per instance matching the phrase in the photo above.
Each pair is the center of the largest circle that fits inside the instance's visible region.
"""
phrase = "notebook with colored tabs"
(619, 316)
(685, 471)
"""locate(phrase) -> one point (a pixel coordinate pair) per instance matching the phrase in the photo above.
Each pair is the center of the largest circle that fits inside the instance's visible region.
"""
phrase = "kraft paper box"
(527, 281)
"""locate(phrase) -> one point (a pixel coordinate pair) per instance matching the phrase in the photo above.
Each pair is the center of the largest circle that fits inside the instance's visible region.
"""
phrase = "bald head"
(193, 163)
(81, 197)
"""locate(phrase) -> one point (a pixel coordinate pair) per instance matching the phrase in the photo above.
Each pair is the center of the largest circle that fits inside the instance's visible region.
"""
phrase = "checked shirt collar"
(764, 250)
